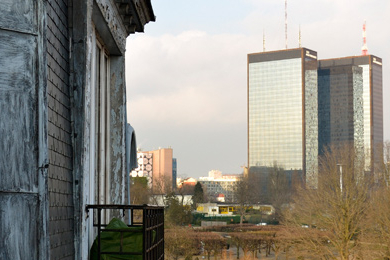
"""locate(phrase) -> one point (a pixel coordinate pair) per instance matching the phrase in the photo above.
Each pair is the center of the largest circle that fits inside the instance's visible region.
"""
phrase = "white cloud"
(188, 90)
(193, 78)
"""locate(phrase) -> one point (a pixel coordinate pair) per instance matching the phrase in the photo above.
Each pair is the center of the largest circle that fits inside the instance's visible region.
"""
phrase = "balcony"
(142, 239)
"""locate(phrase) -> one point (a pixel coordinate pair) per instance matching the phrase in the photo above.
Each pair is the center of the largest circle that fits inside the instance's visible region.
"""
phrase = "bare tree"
(213, 244)
(382, 163)
(176, 214)
(161, 186)
(244, 193)
(180, 242)
(279, 190)
(378, 236)
(184, 189)
(139, 191)
(378, 240)
(337, 208)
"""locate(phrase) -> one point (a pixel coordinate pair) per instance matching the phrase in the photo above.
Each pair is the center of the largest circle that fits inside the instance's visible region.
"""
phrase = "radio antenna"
(285, 20)
(300, 37)
(364, 48)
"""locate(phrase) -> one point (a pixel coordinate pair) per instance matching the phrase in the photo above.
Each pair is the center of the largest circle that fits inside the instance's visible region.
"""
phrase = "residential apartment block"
(217, 183)
(159, 166)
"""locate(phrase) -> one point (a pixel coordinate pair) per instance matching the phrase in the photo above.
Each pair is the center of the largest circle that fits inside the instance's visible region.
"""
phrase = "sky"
(187, 73)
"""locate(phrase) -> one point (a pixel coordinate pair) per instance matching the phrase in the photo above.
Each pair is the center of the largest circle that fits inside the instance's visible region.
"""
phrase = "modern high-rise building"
(340, 108)
(159, 166)
(341, 82)
(282, 111)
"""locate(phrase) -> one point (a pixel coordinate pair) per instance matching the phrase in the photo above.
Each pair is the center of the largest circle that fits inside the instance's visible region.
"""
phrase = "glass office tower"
(372, 104)
(282, 111)
(340, 109)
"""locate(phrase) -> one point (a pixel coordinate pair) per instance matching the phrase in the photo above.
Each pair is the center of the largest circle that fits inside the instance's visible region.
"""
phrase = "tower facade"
(340, 106)
(357, 75)
(283, 111)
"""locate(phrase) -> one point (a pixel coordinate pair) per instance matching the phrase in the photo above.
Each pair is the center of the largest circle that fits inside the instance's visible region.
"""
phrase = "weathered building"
(62, 120)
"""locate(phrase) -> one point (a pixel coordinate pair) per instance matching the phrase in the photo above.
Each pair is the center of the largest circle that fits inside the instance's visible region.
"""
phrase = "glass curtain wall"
(275, 113)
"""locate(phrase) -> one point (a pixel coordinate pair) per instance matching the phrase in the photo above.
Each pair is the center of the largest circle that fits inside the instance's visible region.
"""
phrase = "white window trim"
(101, 136)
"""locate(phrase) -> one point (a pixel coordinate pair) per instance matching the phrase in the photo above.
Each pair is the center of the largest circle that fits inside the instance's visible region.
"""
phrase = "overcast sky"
(187, 76)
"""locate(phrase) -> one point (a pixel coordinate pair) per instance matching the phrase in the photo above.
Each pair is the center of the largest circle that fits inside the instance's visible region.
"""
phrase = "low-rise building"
(217, 183)
(221, 209)
(186, 184)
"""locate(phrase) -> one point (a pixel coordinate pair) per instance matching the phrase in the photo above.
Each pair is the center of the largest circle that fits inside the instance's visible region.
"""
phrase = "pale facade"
(221, 184)
(158, 167)
(145, 165)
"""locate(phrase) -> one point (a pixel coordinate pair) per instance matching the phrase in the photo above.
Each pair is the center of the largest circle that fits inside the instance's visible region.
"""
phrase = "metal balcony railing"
(148, 219)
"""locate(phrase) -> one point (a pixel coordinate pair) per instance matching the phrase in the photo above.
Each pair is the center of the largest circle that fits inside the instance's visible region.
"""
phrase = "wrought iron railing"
(149, 219)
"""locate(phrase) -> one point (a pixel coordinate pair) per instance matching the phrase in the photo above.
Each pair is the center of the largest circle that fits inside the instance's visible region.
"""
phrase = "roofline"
(351, 57)
(282, 50)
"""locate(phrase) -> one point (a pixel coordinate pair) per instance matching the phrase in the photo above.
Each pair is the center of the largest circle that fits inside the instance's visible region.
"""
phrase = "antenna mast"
(364, 48)
(300, 37)
(285, 20)
(263, 41)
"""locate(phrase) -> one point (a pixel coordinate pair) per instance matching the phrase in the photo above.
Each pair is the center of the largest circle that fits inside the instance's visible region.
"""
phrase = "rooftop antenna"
(364, 48)
(263, 41)
(300, 37)
(285, 20)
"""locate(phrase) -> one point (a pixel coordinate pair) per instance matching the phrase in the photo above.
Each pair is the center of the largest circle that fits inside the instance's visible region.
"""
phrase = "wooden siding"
(22, 131)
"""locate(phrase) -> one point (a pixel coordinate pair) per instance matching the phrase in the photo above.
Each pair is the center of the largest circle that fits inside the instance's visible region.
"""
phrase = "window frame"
(100, 122)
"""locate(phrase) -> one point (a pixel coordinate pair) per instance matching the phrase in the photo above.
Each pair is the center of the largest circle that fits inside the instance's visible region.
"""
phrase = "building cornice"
(135, 14)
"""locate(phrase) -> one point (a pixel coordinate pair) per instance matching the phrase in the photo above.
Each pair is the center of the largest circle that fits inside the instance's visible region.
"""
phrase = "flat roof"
(281, 55)
(350, 60)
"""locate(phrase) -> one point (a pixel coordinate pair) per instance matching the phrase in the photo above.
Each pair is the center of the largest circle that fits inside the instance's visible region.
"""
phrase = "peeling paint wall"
(23, 147)
(117, 126)
(111, 17)
(87, 15)
(46, 109)
(18, 117)
(14, 245)
(80, 28)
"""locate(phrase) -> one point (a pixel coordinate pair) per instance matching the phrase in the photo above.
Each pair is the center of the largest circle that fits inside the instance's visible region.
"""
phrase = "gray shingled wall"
(60, 185)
